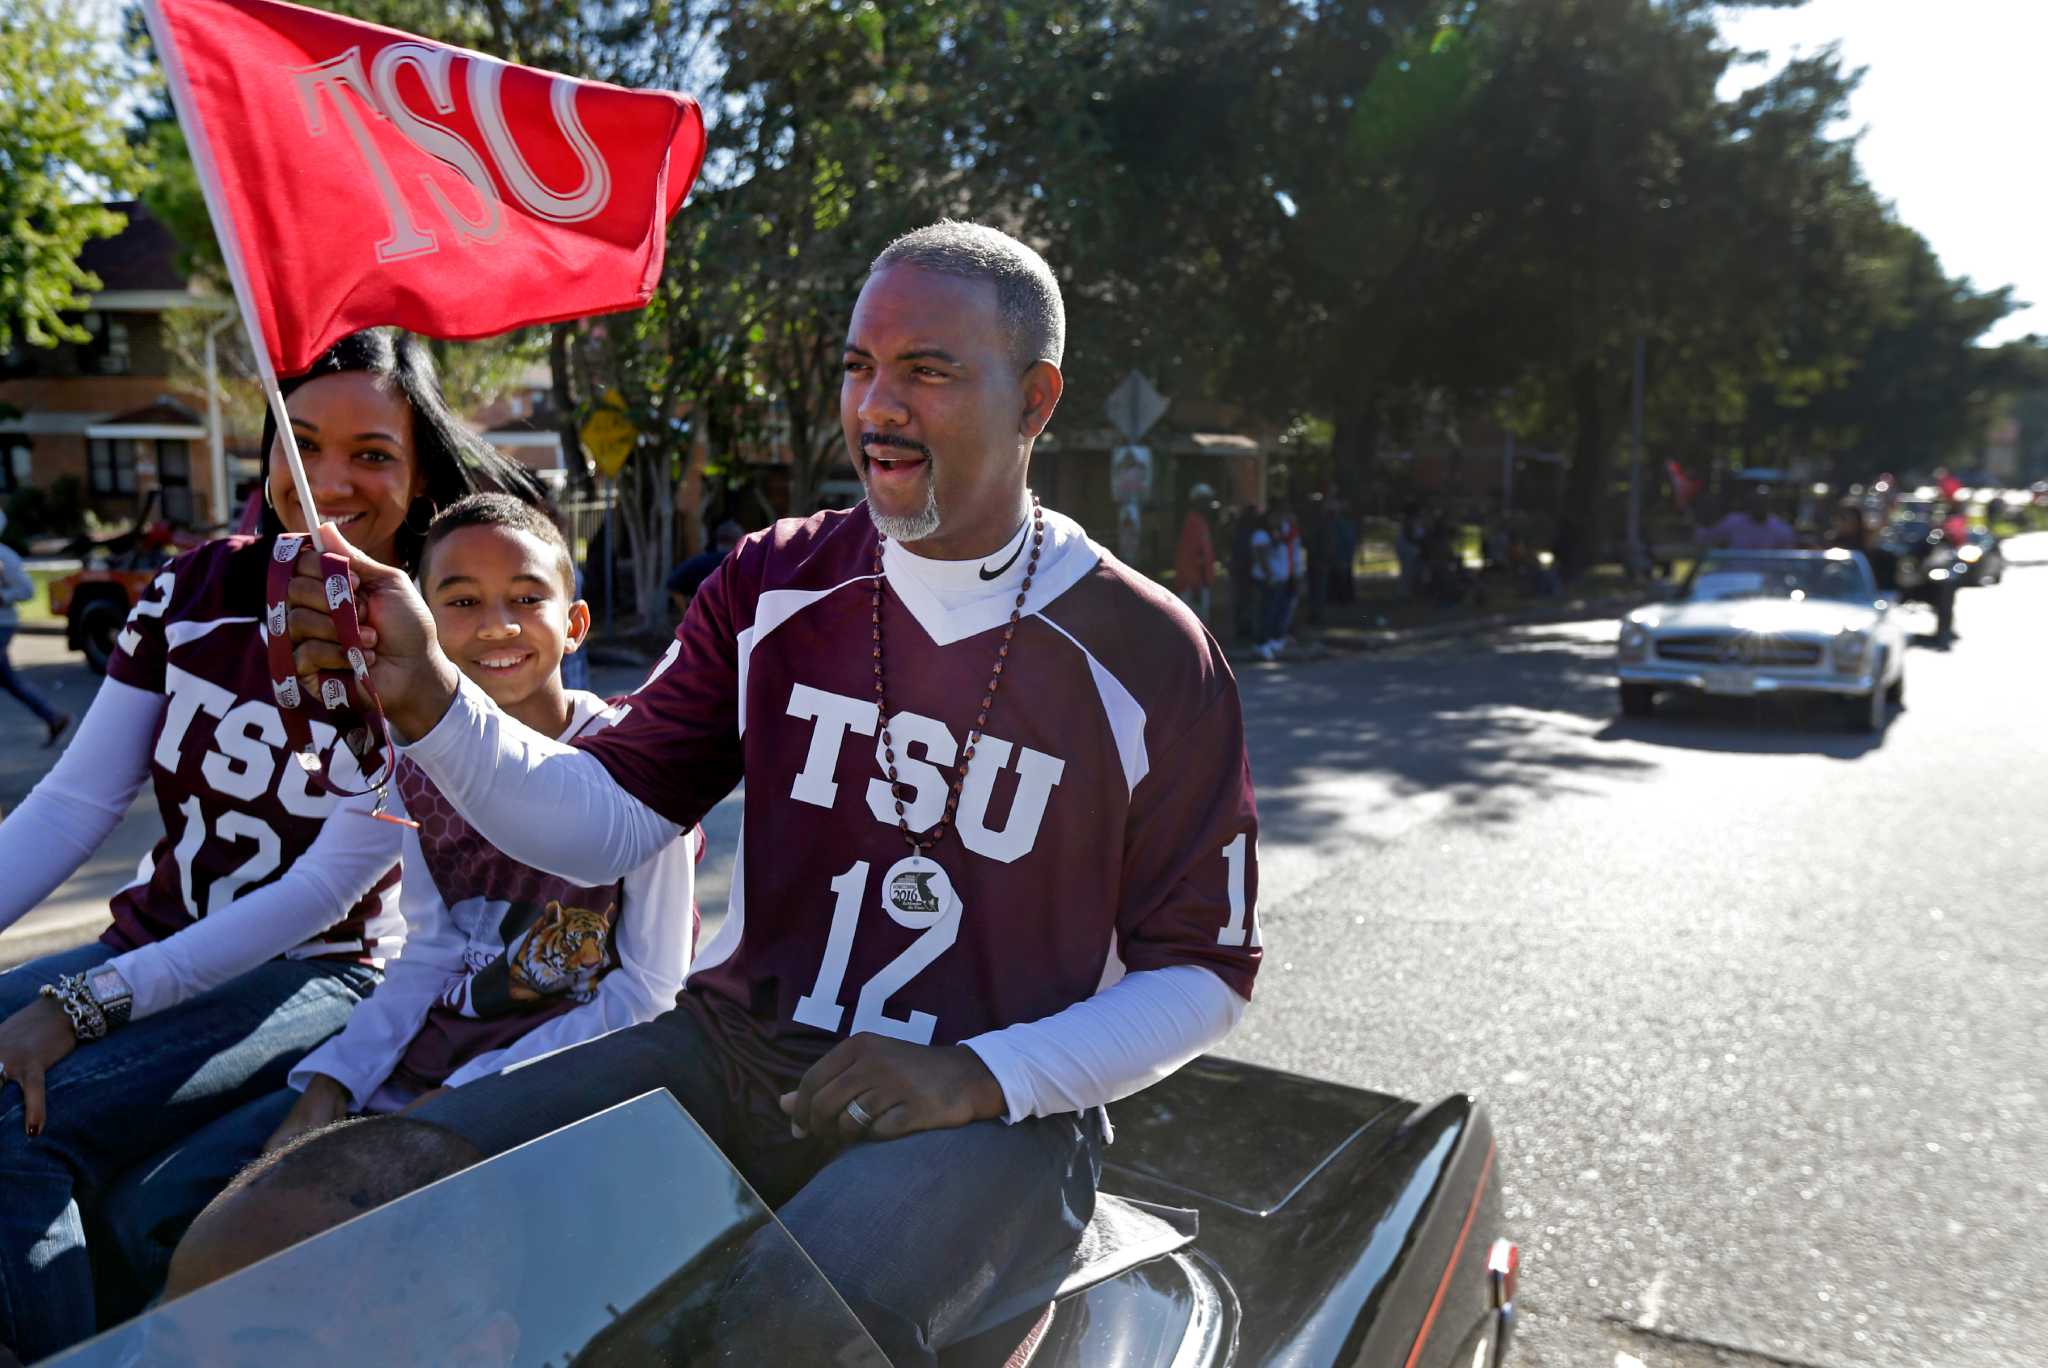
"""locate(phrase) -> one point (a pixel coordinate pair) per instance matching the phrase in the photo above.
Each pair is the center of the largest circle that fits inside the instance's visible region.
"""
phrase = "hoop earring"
(421, 530)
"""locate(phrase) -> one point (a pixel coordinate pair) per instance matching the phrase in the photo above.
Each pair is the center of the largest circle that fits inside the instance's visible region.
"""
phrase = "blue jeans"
(149, 1208)
(16, 685)
(115, 1101)
(920, 1236)
(1278, 607)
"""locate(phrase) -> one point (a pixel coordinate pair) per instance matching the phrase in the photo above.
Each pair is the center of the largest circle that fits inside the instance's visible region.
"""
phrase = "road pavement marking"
(1653, 1301)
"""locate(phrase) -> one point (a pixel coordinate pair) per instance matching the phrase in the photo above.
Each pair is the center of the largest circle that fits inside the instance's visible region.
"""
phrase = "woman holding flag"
(266, 911)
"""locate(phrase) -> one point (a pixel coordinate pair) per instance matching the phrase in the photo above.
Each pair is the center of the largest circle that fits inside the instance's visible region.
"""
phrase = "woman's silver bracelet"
(87, 1021)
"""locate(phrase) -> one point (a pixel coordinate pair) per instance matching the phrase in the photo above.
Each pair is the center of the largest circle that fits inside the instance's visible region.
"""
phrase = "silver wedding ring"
(858, 1114)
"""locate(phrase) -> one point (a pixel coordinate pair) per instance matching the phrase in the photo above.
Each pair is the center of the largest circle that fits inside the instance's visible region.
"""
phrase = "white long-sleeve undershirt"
(84, 797)
(499, 774)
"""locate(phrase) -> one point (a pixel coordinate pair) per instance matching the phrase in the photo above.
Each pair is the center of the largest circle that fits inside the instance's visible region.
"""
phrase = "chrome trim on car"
(1677, 676)
(1740, 649)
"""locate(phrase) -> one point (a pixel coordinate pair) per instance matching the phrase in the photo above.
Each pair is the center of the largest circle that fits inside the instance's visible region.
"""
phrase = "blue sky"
(1951, 113)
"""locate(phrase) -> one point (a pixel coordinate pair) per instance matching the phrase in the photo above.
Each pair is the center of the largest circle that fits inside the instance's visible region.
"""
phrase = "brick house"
(105, 411)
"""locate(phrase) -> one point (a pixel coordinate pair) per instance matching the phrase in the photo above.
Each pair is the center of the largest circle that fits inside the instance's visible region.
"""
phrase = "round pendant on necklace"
(916, 893)
(920, 844)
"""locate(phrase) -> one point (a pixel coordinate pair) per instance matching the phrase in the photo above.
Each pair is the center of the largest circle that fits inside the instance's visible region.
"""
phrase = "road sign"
(1134, 406)
(608, 435)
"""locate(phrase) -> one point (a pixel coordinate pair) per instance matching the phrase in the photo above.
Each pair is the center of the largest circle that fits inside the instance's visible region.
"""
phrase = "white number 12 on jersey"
(928, 904)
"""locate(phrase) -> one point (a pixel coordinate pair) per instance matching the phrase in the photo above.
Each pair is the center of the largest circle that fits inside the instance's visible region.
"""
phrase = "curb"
(1365, 640)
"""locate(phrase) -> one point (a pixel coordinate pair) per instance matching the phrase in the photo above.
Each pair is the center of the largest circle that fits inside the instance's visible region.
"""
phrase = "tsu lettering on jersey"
(236, 805)
(538, 943)
(1106, 822)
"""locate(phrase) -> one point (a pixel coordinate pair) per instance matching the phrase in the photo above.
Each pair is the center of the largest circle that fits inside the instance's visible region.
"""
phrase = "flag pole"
(231, 252)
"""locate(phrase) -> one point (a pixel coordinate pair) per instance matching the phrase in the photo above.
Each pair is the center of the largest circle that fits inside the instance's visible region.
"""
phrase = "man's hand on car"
(900, 1087)
(413, 678)
(323, 1102)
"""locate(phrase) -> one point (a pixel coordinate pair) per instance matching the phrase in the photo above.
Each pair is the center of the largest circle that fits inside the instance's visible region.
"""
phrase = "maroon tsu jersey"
(1105, 824)
(236, 807)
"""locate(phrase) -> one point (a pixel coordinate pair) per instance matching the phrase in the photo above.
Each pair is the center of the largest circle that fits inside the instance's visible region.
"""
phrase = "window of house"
(174, 473)
(112, 464)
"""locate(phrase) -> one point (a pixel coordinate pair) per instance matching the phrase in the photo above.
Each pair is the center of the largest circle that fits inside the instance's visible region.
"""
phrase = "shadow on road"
(1746, 726)
(1369, 747)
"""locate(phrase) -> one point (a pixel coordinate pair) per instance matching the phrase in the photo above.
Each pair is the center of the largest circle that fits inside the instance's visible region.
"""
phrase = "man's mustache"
(890, 439)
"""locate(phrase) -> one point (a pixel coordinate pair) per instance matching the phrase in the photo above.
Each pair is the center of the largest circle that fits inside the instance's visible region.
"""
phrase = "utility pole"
(1635, 466)
(216, 442)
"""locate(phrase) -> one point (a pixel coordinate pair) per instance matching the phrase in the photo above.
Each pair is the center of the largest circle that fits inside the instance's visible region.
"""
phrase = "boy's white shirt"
(654, 944)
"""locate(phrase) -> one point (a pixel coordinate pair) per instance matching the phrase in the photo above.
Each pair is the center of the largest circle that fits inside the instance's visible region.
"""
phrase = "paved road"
(1758, 1005)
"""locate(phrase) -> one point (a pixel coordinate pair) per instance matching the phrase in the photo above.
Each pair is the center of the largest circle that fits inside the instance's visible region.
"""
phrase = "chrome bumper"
(1737, 683)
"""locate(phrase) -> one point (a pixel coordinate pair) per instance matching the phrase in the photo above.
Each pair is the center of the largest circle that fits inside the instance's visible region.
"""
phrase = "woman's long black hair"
(454, 460)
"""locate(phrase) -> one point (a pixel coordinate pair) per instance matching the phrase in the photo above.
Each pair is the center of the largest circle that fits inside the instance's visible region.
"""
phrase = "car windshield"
(610, 1241)
(1820, 575)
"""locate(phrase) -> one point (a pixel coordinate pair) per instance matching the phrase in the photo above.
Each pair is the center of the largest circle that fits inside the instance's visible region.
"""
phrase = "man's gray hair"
(1026, 292)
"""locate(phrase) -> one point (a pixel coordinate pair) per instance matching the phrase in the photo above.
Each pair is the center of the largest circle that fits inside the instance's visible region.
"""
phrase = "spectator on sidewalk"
(1244, 577)
(17, 587)
(1279, 566)
(1194, 564)
(1344, 551)
(687, 578)
(1318, 540)
(1408, 537)
(1564, 550)
(1956, 526)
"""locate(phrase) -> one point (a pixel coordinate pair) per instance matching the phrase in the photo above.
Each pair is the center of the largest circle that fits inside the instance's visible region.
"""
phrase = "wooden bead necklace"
(988, 698)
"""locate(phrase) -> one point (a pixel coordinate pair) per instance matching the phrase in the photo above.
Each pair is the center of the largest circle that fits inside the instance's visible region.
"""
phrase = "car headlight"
(1969, 555)
(1852, 649)
(1635, 641)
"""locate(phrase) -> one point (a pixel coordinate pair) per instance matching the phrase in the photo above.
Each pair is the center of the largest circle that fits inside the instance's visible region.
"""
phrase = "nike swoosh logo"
(997, 573)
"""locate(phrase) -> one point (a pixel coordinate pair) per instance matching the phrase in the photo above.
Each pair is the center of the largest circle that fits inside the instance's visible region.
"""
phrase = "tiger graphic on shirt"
(562, 953)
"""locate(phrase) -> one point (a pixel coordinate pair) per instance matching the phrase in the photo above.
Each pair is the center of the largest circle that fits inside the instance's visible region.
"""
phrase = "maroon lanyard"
(358, 715)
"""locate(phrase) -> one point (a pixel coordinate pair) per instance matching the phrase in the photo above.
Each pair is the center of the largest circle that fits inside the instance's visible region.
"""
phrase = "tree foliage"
(1337, 217)
(63, 149)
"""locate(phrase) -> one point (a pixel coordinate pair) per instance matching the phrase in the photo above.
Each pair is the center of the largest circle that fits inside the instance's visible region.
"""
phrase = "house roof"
(142, 256)
(159, 412)
(164, 417)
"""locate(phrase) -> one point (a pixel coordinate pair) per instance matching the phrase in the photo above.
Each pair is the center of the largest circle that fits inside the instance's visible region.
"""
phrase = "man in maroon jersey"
(997, 864)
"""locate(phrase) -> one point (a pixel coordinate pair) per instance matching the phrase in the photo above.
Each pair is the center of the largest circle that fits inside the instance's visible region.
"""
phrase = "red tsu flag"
(360, 176)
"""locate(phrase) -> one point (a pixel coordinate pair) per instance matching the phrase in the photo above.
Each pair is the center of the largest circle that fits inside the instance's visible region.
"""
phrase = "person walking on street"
(17, 587)
(1194, 564)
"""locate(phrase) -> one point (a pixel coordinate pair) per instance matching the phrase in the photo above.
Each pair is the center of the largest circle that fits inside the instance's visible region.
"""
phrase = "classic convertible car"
(1750, 623)
(1258, 1217)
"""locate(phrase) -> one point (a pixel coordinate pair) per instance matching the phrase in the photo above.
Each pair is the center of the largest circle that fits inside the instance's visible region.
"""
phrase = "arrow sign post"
(1134, 406)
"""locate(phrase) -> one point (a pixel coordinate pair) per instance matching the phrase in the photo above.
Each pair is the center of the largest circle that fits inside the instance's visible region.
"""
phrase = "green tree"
(63, 149)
